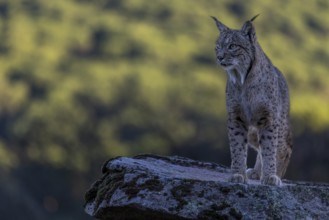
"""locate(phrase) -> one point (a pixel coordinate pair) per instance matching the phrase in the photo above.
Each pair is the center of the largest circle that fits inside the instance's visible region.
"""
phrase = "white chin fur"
(235, 75)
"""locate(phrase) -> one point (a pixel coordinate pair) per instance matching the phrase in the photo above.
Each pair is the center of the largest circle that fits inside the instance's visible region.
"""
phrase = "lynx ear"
(221, 27)
(248, 29)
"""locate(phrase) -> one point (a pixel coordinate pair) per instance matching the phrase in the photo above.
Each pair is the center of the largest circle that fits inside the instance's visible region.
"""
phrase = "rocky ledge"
(149, 186)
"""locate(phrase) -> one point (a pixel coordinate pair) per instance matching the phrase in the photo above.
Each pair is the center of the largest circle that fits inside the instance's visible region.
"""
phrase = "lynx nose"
(220, 58)
(220, 55)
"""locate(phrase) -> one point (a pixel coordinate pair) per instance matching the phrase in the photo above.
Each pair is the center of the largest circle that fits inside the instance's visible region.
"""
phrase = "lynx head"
(235, 49)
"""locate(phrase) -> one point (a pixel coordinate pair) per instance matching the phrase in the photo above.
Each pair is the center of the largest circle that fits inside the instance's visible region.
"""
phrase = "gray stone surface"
(154, 187)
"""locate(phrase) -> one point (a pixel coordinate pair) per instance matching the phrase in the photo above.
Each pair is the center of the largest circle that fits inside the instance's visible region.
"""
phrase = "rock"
(154, 187)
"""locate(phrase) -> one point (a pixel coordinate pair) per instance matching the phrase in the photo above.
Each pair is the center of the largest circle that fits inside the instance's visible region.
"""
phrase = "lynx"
(257, 102)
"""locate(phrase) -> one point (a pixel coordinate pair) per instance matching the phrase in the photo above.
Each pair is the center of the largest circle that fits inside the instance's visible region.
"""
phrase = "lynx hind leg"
(255, 173)
(283, 155)
(282, 162)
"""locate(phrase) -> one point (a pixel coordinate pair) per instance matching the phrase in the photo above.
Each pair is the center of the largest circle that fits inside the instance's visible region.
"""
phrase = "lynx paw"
(253, 174)
(238, 178)
(272, 180)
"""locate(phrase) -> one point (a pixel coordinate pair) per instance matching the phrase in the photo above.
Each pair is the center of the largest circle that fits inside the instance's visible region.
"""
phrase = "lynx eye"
(232, 46)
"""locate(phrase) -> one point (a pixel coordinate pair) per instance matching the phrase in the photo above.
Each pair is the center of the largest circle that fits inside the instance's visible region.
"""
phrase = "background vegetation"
(83, 81)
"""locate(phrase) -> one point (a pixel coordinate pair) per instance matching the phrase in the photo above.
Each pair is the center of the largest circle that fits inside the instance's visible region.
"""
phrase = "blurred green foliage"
(83, 81)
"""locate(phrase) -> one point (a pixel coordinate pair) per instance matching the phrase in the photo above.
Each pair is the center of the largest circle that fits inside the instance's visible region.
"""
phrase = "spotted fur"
(257, 101)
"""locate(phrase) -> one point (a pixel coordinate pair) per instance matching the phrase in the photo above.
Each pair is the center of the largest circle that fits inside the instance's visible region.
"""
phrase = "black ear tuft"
(253, 18)
(221, 27)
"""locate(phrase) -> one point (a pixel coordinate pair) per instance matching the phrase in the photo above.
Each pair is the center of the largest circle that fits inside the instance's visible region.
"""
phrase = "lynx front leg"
(269, 144)
(238, 148)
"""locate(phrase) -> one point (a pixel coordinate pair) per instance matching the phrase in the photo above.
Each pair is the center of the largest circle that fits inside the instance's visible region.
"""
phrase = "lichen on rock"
(150, 186)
